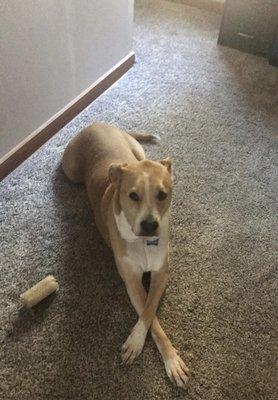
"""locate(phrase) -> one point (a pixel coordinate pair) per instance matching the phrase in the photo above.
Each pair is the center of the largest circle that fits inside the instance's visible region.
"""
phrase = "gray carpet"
(214, 108)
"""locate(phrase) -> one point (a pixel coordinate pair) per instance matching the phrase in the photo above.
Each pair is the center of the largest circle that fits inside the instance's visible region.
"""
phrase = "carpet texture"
(216, 112)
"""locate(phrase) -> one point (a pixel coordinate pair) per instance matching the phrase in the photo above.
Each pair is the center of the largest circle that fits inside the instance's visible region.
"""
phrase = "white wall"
(50, 51)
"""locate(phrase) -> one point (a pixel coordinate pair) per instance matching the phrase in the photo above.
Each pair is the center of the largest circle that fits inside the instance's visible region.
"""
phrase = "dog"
(130, 197)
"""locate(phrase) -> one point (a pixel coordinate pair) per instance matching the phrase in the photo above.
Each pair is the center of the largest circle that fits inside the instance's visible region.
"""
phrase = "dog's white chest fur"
(139, 254)
(148, 258)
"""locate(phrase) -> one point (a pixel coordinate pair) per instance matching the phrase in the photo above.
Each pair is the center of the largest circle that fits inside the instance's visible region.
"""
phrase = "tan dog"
(130, 197)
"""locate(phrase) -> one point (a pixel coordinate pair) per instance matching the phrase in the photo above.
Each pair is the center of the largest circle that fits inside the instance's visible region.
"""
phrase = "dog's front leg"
(174, 365)
(136, 292)
(145, 306)
(157, 287)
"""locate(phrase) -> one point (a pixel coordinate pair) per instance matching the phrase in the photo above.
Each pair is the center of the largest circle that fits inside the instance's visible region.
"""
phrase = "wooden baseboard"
(209, 5)
(41, 135)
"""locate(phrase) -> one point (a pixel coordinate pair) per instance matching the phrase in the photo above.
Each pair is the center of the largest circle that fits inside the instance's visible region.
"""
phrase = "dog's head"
(144, 193)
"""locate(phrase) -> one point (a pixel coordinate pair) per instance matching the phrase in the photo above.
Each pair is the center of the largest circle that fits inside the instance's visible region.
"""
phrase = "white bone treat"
(39, 291)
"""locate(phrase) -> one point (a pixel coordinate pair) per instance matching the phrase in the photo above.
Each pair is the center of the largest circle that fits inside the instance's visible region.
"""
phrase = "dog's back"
(90, 153)
(95, 147)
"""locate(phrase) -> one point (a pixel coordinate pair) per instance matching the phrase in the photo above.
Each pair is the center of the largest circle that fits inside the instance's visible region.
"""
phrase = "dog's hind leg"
(135, 147)
(73, 159)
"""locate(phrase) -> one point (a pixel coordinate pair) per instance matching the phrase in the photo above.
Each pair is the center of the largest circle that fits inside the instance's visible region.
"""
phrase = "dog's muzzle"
(149, 227)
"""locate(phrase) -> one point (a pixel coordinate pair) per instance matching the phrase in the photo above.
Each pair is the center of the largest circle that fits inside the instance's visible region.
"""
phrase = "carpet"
(215, 109)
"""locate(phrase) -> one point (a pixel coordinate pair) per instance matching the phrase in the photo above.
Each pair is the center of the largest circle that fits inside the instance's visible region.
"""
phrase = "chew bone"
(39, 292)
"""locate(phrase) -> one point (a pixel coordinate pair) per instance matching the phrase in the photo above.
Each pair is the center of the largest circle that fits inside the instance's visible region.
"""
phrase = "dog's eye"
(161, 195)
(134, 196)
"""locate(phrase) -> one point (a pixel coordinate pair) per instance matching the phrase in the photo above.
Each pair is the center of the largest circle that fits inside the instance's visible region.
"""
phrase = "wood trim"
(216, 6)
(41, 135)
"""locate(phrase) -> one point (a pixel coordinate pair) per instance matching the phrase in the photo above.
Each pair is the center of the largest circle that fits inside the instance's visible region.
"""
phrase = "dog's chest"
(147, 257)
(137, 252)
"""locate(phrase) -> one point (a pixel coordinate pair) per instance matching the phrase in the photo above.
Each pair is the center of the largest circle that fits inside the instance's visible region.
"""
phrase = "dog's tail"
(144, 137)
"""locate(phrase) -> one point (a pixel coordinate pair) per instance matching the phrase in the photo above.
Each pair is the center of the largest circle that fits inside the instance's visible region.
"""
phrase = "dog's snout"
(149, 226)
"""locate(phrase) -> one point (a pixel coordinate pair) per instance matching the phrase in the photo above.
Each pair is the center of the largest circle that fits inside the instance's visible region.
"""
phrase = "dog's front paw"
(177, 370)
(134, 343)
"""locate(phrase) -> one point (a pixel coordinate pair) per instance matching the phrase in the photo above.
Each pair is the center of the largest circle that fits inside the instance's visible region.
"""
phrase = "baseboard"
(35, 140)
(216, 6)
(273, 53)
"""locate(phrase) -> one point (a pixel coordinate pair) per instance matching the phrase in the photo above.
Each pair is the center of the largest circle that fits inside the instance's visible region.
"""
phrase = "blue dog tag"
(152, 242)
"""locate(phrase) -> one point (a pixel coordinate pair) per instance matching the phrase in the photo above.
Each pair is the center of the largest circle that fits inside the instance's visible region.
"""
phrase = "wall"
(50, 52)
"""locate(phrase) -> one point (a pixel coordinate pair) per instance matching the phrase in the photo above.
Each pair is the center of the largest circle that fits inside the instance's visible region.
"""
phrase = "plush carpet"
(216, 111)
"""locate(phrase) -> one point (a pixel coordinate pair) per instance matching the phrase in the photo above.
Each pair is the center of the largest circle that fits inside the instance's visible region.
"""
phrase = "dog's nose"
(149, 226)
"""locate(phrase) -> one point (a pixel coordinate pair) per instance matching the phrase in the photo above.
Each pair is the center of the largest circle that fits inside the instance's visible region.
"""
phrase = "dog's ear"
(115, 173)
(167, 162)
